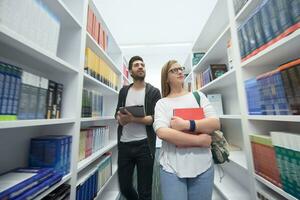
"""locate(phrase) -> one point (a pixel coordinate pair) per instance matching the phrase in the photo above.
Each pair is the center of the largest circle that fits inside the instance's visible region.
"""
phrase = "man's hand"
(180, 124)
(126, 118)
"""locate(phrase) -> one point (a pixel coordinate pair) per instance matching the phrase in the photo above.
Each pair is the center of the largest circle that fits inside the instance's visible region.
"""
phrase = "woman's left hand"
(179, 124)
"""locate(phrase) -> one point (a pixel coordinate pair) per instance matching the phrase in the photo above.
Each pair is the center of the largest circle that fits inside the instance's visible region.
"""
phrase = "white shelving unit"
(240, 181)
(66, 67)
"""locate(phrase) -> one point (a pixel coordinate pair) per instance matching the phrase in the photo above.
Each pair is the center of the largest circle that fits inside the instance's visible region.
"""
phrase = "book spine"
(58, 100)
(50, 99)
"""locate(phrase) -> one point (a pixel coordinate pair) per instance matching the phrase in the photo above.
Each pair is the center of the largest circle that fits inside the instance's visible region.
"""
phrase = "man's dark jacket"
(152, 95)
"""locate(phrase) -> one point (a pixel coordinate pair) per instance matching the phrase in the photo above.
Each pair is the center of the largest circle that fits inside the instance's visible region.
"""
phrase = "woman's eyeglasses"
(176, 70)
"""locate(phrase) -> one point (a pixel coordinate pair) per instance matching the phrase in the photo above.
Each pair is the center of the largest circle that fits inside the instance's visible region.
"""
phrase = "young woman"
(186, 171)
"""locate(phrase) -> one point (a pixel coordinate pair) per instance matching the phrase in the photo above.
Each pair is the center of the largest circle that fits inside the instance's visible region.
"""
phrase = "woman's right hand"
(204, 140)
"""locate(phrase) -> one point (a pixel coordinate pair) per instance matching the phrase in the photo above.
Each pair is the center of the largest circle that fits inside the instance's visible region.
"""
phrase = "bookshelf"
(240, 171)
(65, 66)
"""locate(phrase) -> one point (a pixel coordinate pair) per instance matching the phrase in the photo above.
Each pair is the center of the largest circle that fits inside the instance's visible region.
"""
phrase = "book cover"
(266, 25)
(50, 99)
(58, 100)
(18, 181)
(90, 20)
(216, 101)
(189, 113)
(197, 56)
(41, 187)
(217, 70)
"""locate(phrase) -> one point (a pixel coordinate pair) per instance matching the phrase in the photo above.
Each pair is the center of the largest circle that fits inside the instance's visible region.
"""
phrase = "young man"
(136, 137)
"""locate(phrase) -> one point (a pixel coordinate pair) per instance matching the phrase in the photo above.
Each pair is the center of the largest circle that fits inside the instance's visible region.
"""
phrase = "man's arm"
(119, 103)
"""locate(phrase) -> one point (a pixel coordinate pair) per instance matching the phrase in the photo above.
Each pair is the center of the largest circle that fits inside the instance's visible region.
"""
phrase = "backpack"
(219, 145)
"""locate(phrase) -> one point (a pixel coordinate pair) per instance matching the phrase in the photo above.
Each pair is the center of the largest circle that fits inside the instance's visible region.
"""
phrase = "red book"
(189, 113)
(90, 21)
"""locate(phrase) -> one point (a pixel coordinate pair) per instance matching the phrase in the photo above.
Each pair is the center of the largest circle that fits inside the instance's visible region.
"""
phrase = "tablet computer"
(137, 111)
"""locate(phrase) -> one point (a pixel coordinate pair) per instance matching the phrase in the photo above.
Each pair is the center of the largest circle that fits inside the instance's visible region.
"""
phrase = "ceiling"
(155, 22)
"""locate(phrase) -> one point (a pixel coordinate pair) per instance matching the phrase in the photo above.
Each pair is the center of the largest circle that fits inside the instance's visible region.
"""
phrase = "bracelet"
(192, 125)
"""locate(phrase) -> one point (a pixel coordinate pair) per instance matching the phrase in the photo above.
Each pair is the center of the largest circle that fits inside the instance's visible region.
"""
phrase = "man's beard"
(137, 77)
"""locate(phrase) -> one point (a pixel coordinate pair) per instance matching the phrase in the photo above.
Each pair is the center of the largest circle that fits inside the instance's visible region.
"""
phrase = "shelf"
(64, 15)
(92, 119)
(32, 51)
(280, 52)
(216, 52)
(48, 191)
(92, 83)
(238, 117)
(91, 43)
(114, 172)
(239, 158)
(247, 10)
(111, 195)
(229, 188)
(225, 80)
(34, 122)
(215, 24)
(274, 188)
(283, 118)
(188, 78)
(87, 161)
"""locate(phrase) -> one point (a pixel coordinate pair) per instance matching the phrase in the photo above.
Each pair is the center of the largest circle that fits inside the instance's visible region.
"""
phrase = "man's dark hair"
(134, 58)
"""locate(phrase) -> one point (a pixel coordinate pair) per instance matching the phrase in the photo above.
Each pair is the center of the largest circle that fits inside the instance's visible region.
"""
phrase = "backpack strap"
(197, 97)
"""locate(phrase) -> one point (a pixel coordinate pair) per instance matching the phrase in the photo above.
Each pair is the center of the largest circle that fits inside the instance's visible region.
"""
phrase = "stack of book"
(24, 95)
(288, 160)
(51, 151)
(262, 151)
(89, 187)
(34, 20)
(92, 104)
(99, 69)
(270, 22)
(96, 30)
(276, 92)
(92, 139)
(27, 183)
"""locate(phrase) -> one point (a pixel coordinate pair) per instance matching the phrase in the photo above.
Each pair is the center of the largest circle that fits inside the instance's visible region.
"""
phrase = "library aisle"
(61, 70)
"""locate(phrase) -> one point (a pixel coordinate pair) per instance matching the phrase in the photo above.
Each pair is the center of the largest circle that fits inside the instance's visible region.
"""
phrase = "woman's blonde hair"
(165, 87)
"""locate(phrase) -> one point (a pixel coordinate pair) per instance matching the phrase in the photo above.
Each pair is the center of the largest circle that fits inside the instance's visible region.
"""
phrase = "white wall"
(156, 56)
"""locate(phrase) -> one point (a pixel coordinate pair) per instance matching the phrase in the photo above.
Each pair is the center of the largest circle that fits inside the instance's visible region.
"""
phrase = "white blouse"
(184, 162)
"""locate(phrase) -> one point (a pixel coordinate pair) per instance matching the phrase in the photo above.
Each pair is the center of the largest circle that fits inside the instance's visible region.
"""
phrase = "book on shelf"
(287, 153)
(60, 193)
(18, 181)
(42, 98)
(253, 97)
(41, 187)
(262, 150)
(197, 56)
(89, 25)
(295, 12)
(230, 54)
(217, 70)
(216, 101)
(56, 152)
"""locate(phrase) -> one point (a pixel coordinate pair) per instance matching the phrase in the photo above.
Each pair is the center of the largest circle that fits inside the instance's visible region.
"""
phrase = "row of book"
(27, 183)
(60, 193)
(33, 20)
(270, 22)
(89, 187)
(92, 103)
(96, 30)
(24, 95)
(92, 139)
(277, 159)
(51, 151)
(276, 92)
(99, 69)
(211, 73)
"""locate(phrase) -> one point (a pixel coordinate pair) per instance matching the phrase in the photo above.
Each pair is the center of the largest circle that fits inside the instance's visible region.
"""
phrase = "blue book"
(2, 77)
(253, 97)
(18, 181)
(53, 152)
(273, 17)
(295, 10)
(265, 22)
(6, 89)
(284, 16)
(41, 187)
(258, 30)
